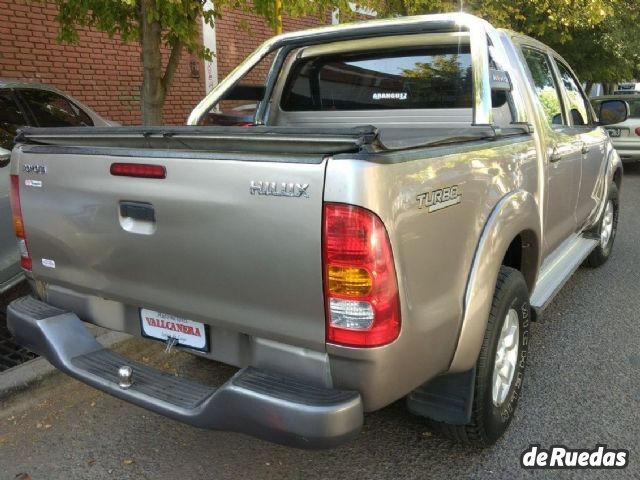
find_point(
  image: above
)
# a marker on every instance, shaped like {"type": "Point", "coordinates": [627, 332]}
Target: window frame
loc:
{"type": "Point", "coordinates": [565, 95]}
{"type": "Point", "coordinates": [554, 76]}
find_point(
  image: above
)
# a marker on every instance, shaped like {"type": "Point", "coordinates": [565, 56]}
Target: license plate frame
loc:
{"type": "Point", "coordinates": [613, 132]}
{"type": "Point", "coordinates": [160, 326]}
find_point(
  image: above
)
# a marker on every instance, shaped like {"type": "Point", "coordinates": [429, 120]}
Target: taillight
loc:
{"type": "Point", "coordinates": [638, 131]}
{"type": "Point", "coordinates": [360, 285]}
{"type": "Point", "coordinates": [140, 170]}
{"type": "Point", "coordinates": [18, 223]}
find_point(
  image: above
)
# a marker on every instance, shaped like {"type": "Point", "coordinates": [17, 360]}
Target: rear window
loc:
{"type": "Point", "coordinates": [433, 77]}
{"type": "Point", "coordinates": [11, 118]}
{"type": "Point", "coordinates": [53, 110]}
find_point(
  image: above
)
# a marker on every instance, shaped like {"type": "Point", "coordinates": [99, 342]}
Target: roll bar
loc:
{"type": "Point", "coordinates": [484, 39]}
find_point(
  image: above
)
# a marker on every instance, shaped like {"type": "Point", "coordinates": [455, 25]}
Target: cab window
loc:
{"type": "Point", "coordinates": [578, 105]}
{"type": "Point", "coordinates": [11, 118]}
{"type": "Point", "coordinates": [53, 110]}
{"type": "Point", "coordinates": [426, 77]}
{"type": "Point", "coordinates": [544, 83]}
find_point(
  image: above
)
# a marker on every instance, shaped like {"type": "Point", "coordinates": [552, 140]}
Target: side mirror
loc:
{"type": "Point", "coordinates": [613, 111]}
{"type": "Point", "coordinates": [5, 157]}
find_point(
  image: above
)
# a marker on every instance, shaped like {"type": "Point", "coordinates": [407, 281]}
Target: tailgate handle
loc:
{"type": "Point", "coordinates": [138, 211]}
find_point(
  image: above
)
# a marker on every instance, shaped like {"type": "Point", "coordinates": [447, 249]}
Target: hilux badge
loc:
{"type": "Point", "coordinates": [441, 198]}
{"type": "Point", "coordinates": [279, 189]}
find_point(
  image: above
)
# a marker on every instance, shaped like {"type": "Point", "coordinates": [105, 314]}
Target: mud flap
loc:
{"type": "Point", "coordinates": [447, 398]}
{"type": "Point", "coordinates": [536, 314]}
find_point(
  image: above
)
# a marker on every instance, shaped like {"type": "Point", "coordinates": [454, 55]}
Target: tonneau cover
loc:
{"type": "Point", "coordinates": [231, 139]}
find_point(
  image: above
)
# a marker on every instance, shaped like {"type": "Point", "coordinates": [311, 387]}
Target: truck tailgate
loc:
{"type": "Point", "coordinates": [200, 245]}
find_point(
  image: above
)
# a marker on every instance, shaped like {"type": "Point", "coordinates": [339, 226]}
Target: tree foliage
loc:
{"type": "Point", "coordinates": [176, 19]}
{"type": "Point", "coordinates": [531, 17]}
{"type": "Point", "coordinates": [154, 24]}
{"type": "Point", "coordinates": [292, 8]}
{"type": "Point", "coordinates": [599, 38]}
{"type": "Point", "coordinates": [171, 24]}
{"type": "Point", "coordinates": [608, 52]}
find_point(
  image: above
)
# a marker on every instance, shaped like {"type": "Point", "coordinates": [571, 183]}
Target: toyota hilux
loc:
{"type": "Point", "coordinates": [407, 198]}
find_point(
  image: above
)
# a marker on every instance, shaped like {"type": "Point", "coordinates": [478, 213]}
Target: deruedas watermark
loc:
{"type": "Point", "coordinates": [560, 456]}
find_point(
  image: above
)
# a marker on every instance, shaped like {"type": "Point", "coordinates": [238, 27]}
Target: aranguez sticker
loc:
{"type": "Point", "coordinates": [559, 456]}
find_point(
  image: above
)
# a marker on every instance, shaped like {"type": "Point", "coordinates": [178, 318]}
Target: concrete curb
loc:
{"type": "Point", "coordinates": [22, 376]}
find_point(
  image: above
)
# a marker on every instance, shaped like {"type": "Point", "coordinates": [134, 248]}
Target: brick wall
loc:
{"type": "Point", "coordinates": [239, 33]}
{"type": "Point", "coordinates": [99, 71]}
{"type": "Point", "coordinates": [106, 74]}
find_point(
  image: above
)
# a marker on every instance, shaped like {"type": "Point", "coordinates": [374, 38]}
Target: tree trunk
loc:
{"type": "Point", "coordinates": [588, 87]}
{"type": "Point", "coordinates": [278, 11]}
{"type": "Point", "coordinates": [405, 8]}
{"type": "Point", "coordinates": [609, 88]}
{"type": "Point", "coordinates": [152, 94]}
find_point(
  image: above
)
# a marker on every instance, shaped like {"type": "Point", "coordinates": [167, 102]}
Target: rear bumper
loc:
{"type": "Point", "coordinates": [255, 402]}
{"type": "Point", "coordinates": [627, 155]}
{"type": "Point", "coordinates": [629, 151]}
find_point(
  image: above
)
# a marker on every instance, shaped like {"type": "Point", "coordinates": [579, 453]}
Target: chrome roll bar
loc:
{"type": "Point", "coordinates": [480, 33]}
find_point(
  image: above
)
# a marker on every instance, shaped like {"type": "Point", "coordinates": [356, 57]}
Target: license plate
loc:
{"type": "Point", "coordinates": [613, 132]}
{"type": "Point", "coordinates": [163, 326]}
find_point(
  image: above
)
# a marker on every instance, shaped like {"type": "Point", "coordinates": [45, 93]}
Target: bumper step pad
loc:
{"type": "Point", "coordinates": [148, 381]}
{"type": "Point", "coordinates": [256, 402]}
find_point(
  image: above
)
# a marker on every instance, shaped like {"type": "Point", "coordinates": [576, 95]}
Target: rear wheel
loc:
{"type": "Point", "coordinates": [501, 364]}
{"type": "Point", "coordinates": [607, 229]}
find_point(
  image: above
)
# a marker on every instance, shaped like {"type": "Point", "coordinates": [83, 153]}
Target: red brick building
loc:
{"type": "Point", "coordinates": [106, 74]}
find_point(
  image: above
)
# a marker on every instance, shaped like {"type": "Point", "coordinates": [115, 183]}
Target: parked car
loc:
{"type": "Point", "coordinates": [628, 87]}
{"type": "Point", "coordinates": [31, 104]}
{"type": "Point", "coordinates": [410, 196]}
{"type": "Point", "coordinates": [625, 136]}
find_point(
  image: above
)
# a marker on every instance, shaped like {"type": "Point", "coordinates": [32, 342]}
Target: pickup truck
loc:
{"type": "Point", "coordinates": [410, 195]}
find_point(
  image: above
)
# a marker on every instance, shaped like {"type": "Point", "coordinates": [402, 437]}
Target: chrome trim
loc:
{"type": "Point", "coordinates": [389, 41]}
{"type": "Point", "coordinates": [125, 374]}
{"type": "Point", "coordinates": [478, 31]}
{"type": "Point", "coordinates": [272, 77]}
{"type": "Point", "coordinates": [229, 81]}
{"type": "Point", "coordinates": [506, 58]}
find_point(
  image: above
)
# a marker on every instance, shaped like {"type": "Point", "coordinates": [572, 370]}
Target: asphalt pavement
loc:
{"type": "Point", "coordinates": [582, 388]}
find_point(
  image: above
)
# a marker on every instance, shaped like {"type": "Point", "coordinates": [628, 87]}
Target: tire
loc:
{"type": "Point", "coordinates": [491, 414]}
{"type": "Point", "coordinates": [602, 252]}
